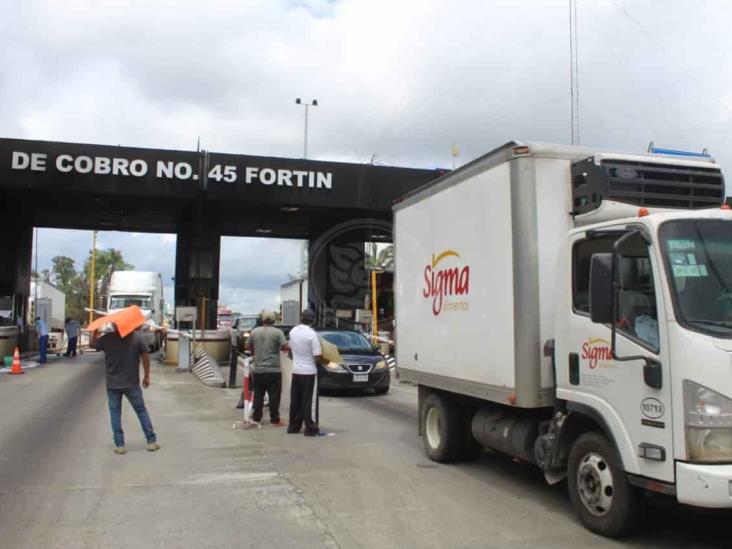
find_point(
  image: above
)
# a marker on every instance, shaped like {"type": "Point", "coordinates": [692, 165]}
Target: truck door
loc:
{"type": "Point", "coordinates": [638, 415]}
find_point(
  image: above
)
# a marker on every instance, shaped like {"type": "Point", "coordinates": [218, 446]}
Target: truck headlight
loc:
{"type": "Point", "coordinates": [708, 424]}
{"type": "Point", "coordinates": [380, 365]}
{"type": "Point", "coordinates": [334, 367]}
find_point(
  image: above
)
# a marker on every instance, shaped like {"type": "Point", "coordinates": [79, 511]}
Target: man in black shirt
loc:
{"type": "Point", "coordinates": [122, 358]}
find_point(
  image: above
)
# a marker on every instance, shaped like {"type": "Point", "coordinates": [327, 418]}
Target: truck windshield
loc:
{"type": "Point", "coordinates": [122, 301]}
{"type": "Point", "coordinates": [698, 257]}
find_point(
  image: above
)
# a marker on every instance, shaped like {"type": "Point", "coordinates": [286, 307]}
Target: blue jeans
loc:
{"type": "Point", "coordinates": [134, 396]}
{"type": "Point", "coordinates": [42, 348]}
{"type": "Point", "coordinates": [71, 347]}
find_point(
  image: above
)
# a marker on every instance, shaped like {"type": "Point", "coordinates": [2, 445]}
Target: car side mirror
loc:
{"type": "Point", "coordinates": [601, 289]}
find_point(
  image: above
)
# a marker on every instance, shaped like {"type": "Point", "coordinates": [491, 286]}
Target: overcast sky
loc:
{"type": "Point", "coordinates": [399, 80]}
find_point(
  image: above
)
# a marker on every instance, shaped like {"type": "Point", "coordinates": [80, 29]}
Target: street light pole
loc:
{"type": "Point", "coordinates": [314, 103]}
{"type": "Point", "coordinates": [92, 281]}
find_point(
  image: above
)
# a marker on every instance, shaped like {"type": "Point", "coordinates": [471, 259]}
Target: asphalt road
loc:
{"type": "Point", "coordinates": [368, 484]}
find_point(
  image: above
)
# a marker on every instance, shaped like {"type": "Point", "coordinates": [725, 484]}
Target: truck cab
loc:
{"type": "Point", "coordinates": [145, 290]}
{"type": "Point", "coordinates": [644, 346]}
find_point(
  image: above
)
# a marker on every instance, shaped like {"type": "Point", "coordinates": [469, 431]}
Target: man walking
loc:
{"type": "Point", "coordinates": [42, 340]}
{"type": "Point", "coordinates": [72, 332]}
{"type": "Point", "coordinates": [122, 359]}
{"type": "Point", "coordinates": [306, 353]}
{"type": "Point", "coordinates": [265, 344]}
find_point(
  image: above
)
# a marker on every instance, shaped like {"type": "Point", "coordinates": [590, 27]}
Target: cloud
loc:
{"type": "Point", "coordinates": [402, 80]}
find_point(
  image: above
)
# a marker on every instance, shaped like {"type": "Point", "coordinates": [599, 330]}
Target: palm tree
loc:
{"type": "Point", "coordinates": [379, 259]}
{"type": "Point", "coordinates": [106, 262]}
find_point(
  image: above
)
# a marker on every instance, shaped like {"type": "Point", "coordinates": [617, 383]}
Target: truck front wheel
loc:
{"type": "Point", "coordinates": [441, 430]}
{"type": "Point", "coordinates": [598, 488]}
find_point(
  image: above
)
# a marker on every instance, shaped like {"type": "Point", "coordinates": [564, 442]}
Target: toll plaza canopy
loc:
{"type": "Point", "coordinates": [199, 195]}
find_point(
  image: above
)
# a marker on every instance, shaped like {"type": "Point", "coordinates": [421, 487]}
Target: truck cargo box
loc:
{"type": "Point", "coordinates": [477, 251]}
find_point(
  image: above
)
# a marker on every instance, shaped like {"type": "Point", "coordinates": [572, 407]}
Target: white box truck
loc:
{"type": "Point", "coordinates": [51, 306]}
{"type": "Point", "coordinates": [573, 308]}
{"type": "Point", "coordinates": [144, 289]}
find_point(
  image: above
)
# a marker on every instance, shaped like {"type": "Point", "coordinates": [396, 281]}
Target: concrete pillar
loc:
{"type": "Point", "coordinates": [197, 255]}
{"type": "Point", "coordinates": [16, 248]}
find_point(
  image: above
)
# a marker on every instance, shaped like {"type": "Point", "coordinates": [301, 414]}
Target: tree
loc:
{"type": "Point", "coordinates": [379, 258]}
{"type": "Point", "coordinates": [63, 272]}
{"type": "Point", "coordinates": [75, 285]}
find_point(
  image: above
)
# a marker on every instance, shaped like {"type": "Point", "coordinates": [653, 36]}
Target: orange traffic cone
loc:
{"type": "Point", "coordinates": [16, 368]}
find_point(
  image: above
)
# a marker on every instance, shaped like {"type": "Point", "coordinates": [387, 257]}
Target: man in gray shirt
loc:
{"type": "Point", "coordinates": [122, 359]}
{"type": "Point", "coordinates": [265, 344]}
{"type": "Point", "coordinates": [72, 332]}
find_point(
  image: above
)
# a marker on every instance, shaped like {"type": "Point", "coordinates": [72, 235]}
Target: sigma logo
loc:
{"type": "Point", "coordinates": [444, 280]}
{"type": "Point", "coordinates": [596, 350]}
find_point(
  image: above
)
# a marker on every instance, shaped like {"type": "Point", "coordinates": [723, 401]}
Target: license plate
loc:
{"type": "Point", "coordinates": [357, 378]}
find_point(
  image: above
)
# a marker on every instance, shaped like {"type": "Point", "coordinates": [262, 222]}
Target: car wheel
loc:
{"type": "Point", "coordinates": [601, 495]}
{"type": "Point", "coordinates": [441, 433]}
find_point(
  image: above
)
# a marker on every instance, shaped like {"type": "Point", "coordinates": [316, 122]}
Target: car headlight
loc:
{"type": "Point", "coordinates": [708, 424]}
{"type": "Point", "coordinates": [380, 365]}
{"type": "Point", "coordinates": [334, 367]}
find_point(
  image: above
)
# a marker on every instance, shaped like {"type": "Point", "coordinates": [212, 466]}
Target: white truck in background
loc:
{"type": "Point", "coordinates": [573, 308]}
{"type": "Point", "coordinates": [50, 306]}
{"type": "Point", "coordinates": [49, 303]}
{"type": "Point", "coordinates": [144, 289]}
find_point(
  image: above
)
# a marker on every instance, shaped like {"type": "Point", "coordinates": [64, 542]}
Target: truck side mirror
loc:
{"type": "Point", "coordinates": [601, 289]}
{"type": "Point", "coordinates": [653, 373]}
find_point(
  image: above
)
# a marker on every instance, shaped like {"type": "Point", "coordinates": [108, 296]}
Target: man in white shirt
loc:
{"type": "Point", "coordinates": [306, 353]}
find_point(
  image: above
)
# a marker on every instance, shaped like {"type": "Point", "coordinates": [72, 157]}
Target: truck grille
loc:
{"type": "Point", "coordinates": [645, 184]}
{"type": "Point", "coordinates": [664, 186]}
{"type": "Point", "coordinates": [359, 368]}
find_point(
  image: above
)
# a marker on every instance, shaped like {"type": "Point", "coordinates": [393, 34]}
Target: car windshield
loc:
{"type": "Point", "coordinates": [347, 341]}
{"type": "Point", "coordinates": [247, 323]}
{"type": "Point", "coordinates": [122, 301]}
{"type": "Point", "coordinates": [698, 257]}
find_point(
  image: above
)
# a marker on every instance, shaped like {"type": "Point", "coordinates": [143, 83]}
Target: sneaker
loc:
{"type": "Point", "coordinates": [152, 446]}
{"type": "Point", "coordinates": [120, 450]}
{"type": "Point", "coordinates": [278, 423]}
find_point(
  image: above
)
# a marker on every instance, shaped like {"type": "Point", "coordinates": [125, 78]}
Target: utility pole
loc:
{"type": "Point", "coordinates": [314, 103]}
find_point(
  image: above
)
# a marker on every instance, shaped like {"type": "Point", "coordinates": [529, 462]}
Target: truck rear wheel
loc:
{"type": "Point", "coordinates": [441, 429]}
{"type": "Point", "coordinates": [598, 488]}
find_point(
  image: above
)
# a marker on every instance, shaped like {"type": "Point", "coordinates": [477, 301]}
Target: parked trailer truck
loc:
{"type": "Point", "coordinates": [573, 308]}
{"type": "Point", "coordinates": [144, 289]}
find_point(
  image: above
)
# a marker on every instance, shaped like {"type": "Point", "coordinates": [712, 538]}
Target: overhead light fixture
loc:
{"type": "Point", "coordinates": [263, 231]}
{"type": "Point", "coordinates": [289, 209]}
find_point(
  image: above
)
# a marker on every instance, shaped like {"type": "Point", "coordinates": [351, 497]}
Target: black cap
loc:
{"type": "Point", "coordinates": [308, 315]}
